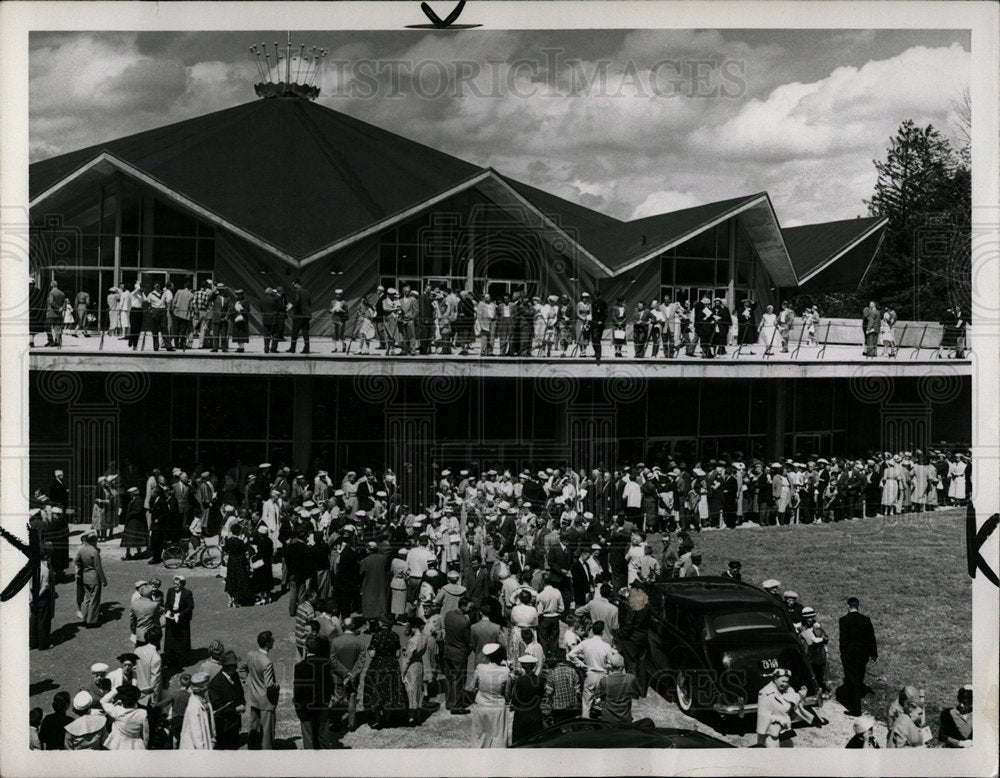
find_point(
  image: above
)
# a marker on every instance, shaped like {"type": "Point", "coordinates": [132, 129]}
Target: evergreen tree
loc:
{"type": "Point", "coordinates": [924, 189]}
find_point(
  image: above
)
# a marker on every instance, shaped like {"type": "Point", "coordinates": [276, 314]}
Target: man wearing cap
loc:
{"type": "Point", "coordinates": [198, 729]}
{"type": "Point", "coordinates": [815, 639]}
{"type": "Point", "coordinates": [793, 606]}
{"type": "Point", "coordinates": [225, 692]}
{"type": "Point", "coordinates": [864, 733]}
{"type": "Point", "coordinates": [87, 730]}
{"type": "Point", "coordinates": [773, 587]}
{"type": "Point", "coordinates": [857, 646]}
{"type": "Point", "coordinates": [99, 684]}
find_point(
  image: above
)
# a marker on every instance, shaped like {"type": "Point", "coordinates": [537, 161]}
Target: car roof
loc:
{"type": "Point", "coordinates": [713, 591]}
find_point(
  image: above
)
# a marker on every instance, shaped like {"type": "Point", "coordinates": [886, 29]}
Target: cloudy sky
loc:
{"type": "Point", "coordinates": [628, 122]}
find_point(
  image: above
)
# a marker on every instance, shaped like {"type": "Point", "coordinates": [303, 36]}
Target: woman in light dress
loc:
{"type": "Point", "coordinates": [365, 326]}
{"type": "Point", "coordinates": [956, 475]}
{"type": "Point", "coordinates": [886, 335]}
{"type": "Point", "coordinates": [892, 482]}
{"type": "Point", "coordinates": [925, 482]}
{"type": "Point", "coordinates": [349, 487]}
{"type": "Point", "coordinates": [768, 329]}
{"type": "Point", "coordinates": [491, 682]}
{"type": "Point", "coordinates": [412, 666]}
{"type": "Point", "coordinates": [129, 723]}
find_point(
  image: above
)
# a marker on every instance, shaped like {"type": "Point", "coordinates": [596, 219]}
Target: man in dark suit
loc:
{"type": "Point", "coordinates": [457, 647]}
{"type": "Point", "coordinates": [477, 580]}
{"type": "Point", "coordinates": [270, 308]}
{"type": "Point", "coordinates": [583, 579]}
{"type": "Point", "coordinates": [521, 559]}
{"type": "Point", "coordinates": [347, 660]}
{"type": "Point", "coordinates": [598, 318]}
{"type": "Point", "coordinates": [857, 646]}
{"type": "Point", "coordinates": [313, 689]}
{"type": "Point", "coordinates": [58, 493]}
{"type": "Point", "coordinates": [300, 568]}
{"type": "Point", "coordinates": [301, 310]}
{"type": "Point", "coordinates": [225, 692]}
{"type": "Point", "coordinates": [871, 319]}
{"type": "Point", "coordinates": [704, 325]}
{"type": "Point", "coordinates": [261, 693]}
{"type": "Point", "coordinates": [560, 560]}
{"type": "Point", "coordinates": [425, 320]}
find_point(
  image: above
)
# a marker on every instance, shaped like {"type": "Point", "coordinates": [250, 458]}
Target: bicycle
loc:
{"type": "Point", "coordinates": [176, 554]}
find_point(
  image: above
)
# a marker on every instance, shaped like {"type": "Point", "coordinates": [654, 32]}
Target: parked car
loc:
{"type": "Point", "coordinates": [716, 640]}
{"type": "Point", "coordinates": [593, 733]}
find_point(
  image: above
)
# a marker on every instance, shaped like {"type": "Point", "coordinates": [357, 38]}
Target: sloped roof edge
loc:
{"type": "Point", "coordinates": [837, 254]}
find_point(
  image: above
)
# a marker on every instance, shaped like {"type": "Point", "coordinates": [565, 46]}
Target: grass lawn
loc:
{"type": "Point", "coordinates": [908, 572]}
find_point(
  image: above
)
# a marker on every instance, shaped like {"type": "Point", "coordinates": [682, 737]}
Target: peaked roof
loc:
{"type": "Point", "coordinates": [340, 174]}
{"type": "Point", "coordinates": [813, 246]}
{"type": "Point", "coordinates": [302, 180]}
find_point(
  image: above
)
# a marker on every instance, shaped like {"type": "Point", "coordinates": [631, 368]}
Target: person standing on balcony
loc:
{"type": "Point", "coordinates": [201, 319]}
{"type": "Point", "coordinates": [301, 309]}
{"type": "Point", "coordinates": [339, 311]}
{"type": "Point", "coordinates": [785, 320]}
{"type": "Point", "coordinates": [640, 330]}
{"type": "Point", "coordinates": [704, 326]}
{"type": "Point", "coordinates": [619, 318]}
{"type": "Point", "coordinates": [870, 322]}
{"type": "Point", "coordinates": [567, 331]}
{"type": "Point", "coordinates": [219, 313]}
{"type": "Point", "coordinates": [53, 314]}
{"type": "Point", "coordinates": [407, 316]}
{"type": "Point", "coordinates": [583, 312]}
{"type": "Point", "coordinates": [81, 305]}
{"type": "Point", "coordinates": [486, 314]}
{"type": "Point", "coordinates": [747, 324]}
{"type": "Point", "coordinates": [157, 303]}
{"type": "Point", "coordinates": [598, 319]}
{"type": "Point", "coordinates": [182, 309]}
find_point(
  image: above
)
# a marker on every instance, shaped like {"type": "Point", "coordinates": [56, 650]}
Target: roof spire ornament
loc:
{"type": "Point", "coordinates": [295, 77]}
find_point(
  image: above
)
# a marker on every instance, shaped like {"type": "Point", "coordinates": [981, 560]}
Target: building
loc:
{"type": "Point", "coordinates": [284, 188]}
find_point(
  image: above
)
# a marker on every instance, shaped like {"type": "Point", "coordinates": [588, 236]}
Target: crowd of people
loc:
{"type": "Point", "coordinates": [521, 599]}
{"type": "Point", "coordinates": [409, 321]}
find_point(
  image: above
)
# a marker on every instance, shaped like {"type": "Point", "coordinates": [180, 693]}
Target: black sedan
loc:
{"type": "Point", "coordinates": [717, 640]}
{"type": "Point", "coordinates": [593, 733]}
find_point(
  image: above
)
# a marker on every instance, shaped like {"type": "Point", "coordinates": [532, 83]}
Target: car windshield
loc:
{"type": "Point", "coordinates": [740, 621]}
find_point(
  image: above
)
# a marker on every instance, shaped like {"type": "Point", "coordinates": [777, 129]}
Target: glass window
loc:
{"type": "Point", "coordinates": [174, 252]}
{"type": "Point", "coordinates": [184, 406]}
{"type": "Point", "coordinates": [701, 245]}
{"type": "Point", "coordinates": [744, 274]}
{"type": "Point", "coordinates": [722, 272]}
{"type": "Point", "coordinates": [744, 251]}
{"type": "Point", "coordinates": [742, 620]}
{"type": "Point", "coordinates": [387, 259]}
{"type": "Point", "coordinates": [408, 263]}
{"type": "Point", "coordinates": [694, 271]}
{"type": "Point", "coordinates": [231, 409]}
{"type": "Point", "coordinates": [170, 221]}
{"type": "Point", "coordinates": [722, 239]}
{"type": "Point", "coordinates": [666, 270]}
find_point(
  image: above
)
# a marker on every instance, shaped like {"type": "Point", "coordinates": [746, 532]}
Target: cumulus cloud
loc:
{"type": "Point", "coordinates": [592, 116]}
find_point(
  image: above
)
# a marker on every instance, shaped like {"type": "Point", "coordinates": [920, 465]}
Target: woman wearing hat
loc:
{"type": "Point", "coordinates": [136, 532]}
{"type": "Point", "coordinates": [238, 585]}
{"type": "Point", "coordinates": [892, 483]}
{"type": "Point", "coordinates": [413, 666]}
{"type": "Point", "coordinates": [491, 681]}
{"type": "Point", "coordinates": [956, 723]}
{"type": "Point", "coordinates": [129, 723]}
{"type": "Point", "coordinates": [198, 729]}
{"type": "Point", "coordinates": [384, 693]}
{"type": "Point", "coordinates": [777, 702]}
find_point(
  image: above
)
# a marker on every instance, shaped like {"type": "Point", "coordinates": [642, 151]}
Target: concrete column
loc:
{"type": "Point", "coordinates": [302, 400]}
{"type": "Point", "coordinates": [776, 389]}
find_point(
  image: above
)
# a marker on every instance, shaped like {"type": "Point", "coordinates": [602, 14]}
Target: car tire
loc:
{"type": "Point", "coordinates": [684, 691]}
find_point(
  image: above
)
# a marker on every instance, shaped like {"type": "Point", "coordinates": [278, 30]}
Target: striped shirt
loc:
{"type": "Point", "coordinates": [563, 683]}
{"type": "Point", "coordinates": [303, 615]}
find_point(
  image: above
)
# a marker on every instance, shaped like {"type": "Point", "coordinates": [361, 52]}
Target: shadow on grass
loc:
{"type": "Point", "coordinates": [40, 687]}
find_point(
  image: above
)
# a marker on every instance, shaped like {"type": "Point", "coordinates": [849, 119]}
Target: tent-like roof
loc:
{"type": "Point", "coordinates": [814, 247]}
{"type": "Point", "coordinates": [296, 174]}
{"type": "Point", "coordinates": [301, 180]}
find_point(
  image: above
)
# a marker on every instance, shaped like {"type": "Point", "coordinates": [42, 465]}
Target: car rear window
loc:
{"type": "Point", "coordinates": [737, 621]}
